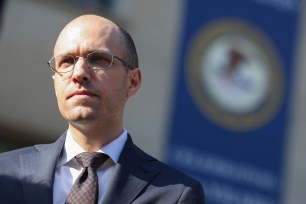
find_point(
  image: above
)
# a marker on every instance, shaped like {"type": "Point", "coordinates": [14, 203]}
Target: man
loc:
{"type": "Point", "coordinates": [95, 72]}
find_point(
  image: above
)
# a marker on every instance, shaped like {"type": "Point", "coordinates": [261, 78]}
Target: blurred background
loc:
{"type": "Point", "coordinates": [233, 142]}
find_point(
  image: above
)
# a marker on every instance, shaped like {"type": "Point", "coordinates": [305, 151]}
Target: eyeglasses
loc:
{"type": "Point", "coordinates": [95, 60]}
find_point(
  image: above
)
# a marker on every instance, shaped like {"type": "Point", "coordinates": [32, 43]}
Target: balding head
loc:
{"type": "Point", "coordinates": [97, 27]}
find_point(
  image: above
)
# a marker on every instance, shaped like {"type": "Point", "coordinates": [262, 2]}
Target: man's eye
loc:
{"type": "Point", "coordinates": [98, 57]}
{"type": "Point", "coordinates": [65, 61]}
{"type": "Point", "coordinates": [99, 60]}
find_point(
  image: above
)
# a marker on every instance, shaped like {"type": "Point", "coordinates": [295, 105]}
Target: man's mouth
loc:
{"type": "Point", "coordinates": [82, 93]}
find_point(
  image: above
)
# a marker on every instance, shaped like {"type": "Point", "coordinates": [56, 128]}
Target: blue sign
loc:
{"type": "Point", "coordinates": [232, 96]}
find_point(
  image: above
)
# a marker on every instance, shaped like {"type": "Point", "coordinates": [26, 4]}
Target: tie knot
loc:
{"type": "Point", "coordinates": [91, 159]}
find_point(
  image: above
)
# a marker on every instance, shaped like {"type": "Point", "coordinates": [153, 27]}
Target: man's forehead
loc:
{"type": "Point", "coordinates": [87, 30]}
{"type": "Point", "coordinates": [88, 24]}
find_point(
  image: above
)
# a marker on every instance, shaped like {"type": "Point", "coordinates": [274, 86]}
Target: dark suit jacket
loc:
{"type": "Point", "coordinates": [26, 176]}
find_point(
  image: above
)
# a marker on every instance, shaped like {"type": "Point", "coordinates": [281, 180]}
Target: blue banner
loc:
{"type": "Point", "coordinates": [230, 107]}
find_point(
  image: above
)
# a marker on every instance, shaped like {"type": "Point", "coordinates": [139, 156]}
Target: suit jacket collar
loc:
{"type": "Point", "coordinates": [133, 173]}
{"type": "Point", "coordinates": [37, 171]}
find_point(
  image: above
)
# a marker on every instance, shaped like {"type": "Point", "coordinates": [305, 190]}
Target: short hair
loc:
{"type": "Point", "coordinates": [130, 53]}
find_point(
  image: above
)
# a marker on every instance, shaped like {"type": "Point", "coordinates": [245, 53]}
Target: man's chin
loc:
{"type": "Point", "coordinates": [82, 117]}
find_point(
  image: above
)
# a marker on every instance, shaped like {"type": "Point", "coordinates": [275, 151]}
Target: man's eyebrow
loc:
{"type": "Point", "coordinates": [86, 53]}
{"type": "Point", "coordinates": [100, 50]}
{"type": "Point", "coordinates": [64, 53]}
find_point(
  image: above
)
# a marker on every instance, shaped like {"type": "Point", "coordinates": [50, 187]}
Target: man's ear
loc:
{"type": "Point", "coordinates": [134, 77]}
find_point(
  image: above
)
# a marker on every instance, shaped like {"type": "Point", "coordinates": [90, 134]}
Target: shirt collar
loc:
{"type": "Point", "coordinates": [72, 148]}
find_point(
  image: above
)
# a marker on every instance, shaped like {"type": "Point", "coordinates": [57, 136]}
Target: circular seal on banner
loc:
{"type": "Point", "coordinates": [234, 74]}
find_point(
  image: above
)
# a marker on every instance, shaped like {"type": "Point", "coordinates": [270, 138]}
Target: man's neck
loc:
{"type": "Point", "coordinates": [94, 138]}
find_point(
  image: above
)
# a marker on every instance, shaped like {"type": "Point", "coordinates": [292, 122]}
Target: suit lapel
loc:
{"type": "Point", "coordinates": [133, 173]}
{"type": "Point", "coordinates": [37, 172]}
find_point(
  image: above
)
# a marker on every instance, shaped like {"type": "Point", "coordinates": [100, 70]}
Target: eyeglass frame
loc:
{"type": "Point", "coordinates": [76, 58]}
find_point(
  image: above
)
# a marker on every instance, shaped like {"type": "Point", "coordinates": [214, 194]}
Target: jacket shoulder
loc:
{"type": "Point", "coordinates": [9, 161]}
{"type": "Point", "coordinates": [167, 172]}
{"type": "Point", "coordinates": [172, 182]}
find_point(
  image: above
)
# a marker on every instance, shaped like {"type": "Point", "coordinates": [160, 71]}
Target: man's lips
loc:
{"type": "Point", "coordinates": [81, 93]}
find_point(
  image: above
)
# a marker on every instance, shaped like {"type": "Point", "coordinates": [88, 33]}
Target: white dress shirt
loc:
{"type": "Point", "coordinates": [68, 169]}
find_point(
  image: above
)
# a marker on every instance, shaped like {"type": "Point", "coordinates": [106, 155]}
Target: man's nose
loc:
{"type": "Point", "coordinates": [81, 71]}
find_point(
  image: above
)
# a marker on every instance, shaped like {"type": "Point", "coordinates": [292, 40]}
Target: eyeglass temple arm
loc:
{"type": "Point", "coordinates": [123, 62]}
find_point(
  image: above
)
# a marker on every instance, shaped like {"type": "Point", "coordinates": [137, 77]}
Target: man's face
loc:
{"type": "Point", "coordinates": [87, 95]}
